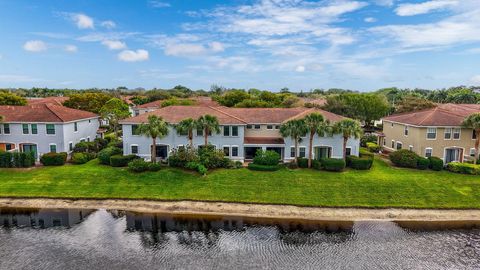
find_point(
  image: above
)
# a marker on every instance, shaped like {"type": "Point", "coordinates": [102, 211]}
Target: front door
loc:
{"type": "Point", "coordinates": [453, 155]}
{"type": "Point", "coordinates": [161, 151]}
{"type": "Point", "coordinates": [250, 152]}
{"type": "Point", "coordinates": [29, 148]}
{"type": "Point", "coordinates": [323, 152]}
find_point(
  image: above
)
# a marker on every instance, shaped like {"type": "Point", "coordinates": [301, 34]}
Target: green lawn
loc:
{"type": "Point", "coordinates": [382, 186]}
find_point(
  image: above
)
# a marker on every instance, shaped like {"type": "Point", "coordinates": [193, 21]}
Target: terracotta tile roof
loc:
{"type": "Point", "coordinates": [153, 104]}
{"type": "Point", "coordinates": [442, 115]}
{"type": "Point", "coordinates": [263, 140]}
{"type": "Point", "coordinates": [46, 113]}
{"type": "Point", "coordinates": [47, 100]}
{"type": "Point", "coordinates": [199, 101]}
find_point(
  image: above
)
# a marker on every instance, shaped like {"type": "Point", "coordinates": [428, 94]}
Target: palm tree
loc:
{"type": "Point", "coordinates": [347, 128]}
{"type": "Point", "coordinates": [187, 125]}
{"type": "Point", "coordinates": [473, 122]}
{"type": "Point", "coordinates": [154, 128]}
{"type": "Point", "coordinates": [316, 124]}
{"type": "Point", "coordinates": [294, 129]}
{"type": "Point", "coordinates": [208, 123]}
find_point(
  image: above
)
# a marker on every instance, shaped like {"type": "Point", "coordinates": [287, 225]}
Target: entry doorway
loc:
{"type": "Point", "coordinates": [250, 152]}
{"type": "Point", "coordinates": [279, 150]}
{"type": "Point", "coordinates": [453, 155]}
{"type": "Point", "coordinates": [161, 151]}
{"type": "Point", "coordinates": [323, 152]}
{"type": "Point", "coordinates": [29, 148]}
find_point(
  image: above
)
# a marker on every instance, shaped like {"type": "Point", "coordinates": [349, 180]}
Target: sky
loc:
{"type": "Point", "coordinates": [266, 44]}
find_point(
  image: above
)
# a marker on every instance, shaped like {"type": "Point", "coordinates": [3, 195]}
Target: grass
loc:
{"type": "Point", "coordinates": [382, 186]}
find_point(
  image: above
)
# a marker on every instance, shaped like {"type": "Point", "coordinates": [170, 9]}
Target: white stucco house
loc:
{"type": "Point", "coordinates": [44, 128]}
{"type": "Point", "coordinates": [243, 131]}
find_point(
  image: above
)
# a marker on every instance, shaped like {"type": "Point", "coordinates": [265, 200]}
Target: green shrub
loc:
{"type": "Point", "coordinates": [302, 162]}
{"type": "Point", "coordinates": [373, 147]}
{"type": "Point", "coordinates": [154, 167]}
{"type": "Point", "coordinates": [202, 169]}
{"type": "Point", "coordinates": [404, 158]}
{"type": "Point", "coordinates": [464, 168]}
{"type": "Point", "coordinates": [238, 164]}
{"type": "Point", "coordinates": [53, 159]}
{"type": "Point", "coordinates": [359, 163]}
{"type": "Point", "coordinates": [121, 161]}
{"type": "Point", "coordinates": [292, 165]}
{"type": "Point", "coordinates": [17, 159]}
{"type": "Point", "coordinates": [436, 163]}
{"type": "Point", "coordinates": [82, 158]}
{"type": "Point", "coordinates": [316, 164]}
{"type": "Point", "coordinates": [138, 165]}
{"type": "Point", "coordinates": [180, 157]}
{"type": "Point", "coordinates": [367, 139]}
{"type": "Point", "coordinates": [196, 166]}
{"type": "Point", "coordinates": [333, 164]}
{"type": "Point", "coordinates": [366, 153]}
{"type": "Point", "coordinates": [82, 147]}
{"type": "Point", "coordinates": [269, 158]}
{"type": "Point", "coordinates": [259, 167]}
{"type": "Point", "coordinates": [100, 143]}
{"type": "Point", "coordinates": [212, 158]}
{"type": "Point", "coordinates": [423, 163]}
{"type": "Point", "coordinates": [105, 154]}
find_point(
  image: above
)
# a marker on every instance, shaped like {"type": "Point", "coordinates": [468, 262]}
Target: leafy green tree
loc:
{"type": "Point", "coordinates": [155, 128]}
{"type": "Point", "coordinates": [473, 122]}
{"type": "Point", "coordinates": [295, 129]}
{"type": "Point", "coordinates": [348, 128]}
{"type": "Point", "coordinates": [187, 126]}
{"type": "Point", "coordinates": [7, 98]}
{"type": "Point", "coordinates": [315, 124]}
{"type": "Point", "coordinates": [465, 96]}
{"type": "Point", "coordinates": [88, 101]}
{"type": "Point", "coordinates": [114, 110]}
{"type": "Point", "coordinates": [413, 103]}
{"type": "Point", "coordinates": [232, 97]}
{"type": "Point", "coordinates": [208, 124]}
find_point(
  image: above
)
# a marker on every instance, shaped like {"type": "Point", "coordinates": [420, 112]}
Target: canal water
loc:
{"type": "Point", "coordinates": [105, 239]}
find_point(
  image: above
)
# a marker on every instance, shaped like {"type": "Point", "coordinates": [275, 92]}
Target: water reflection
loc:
{"type": "Point", "coordinates": [42, 218]}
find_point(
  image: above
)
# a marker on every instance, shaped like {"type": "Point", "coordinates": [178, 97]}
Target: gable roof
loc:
{"type": "Point", "coordinates": [44, 113]}
{"type": "Point", "coordinates": [442, 115]}
{"type": "Point", "coordinates": [47, 100]}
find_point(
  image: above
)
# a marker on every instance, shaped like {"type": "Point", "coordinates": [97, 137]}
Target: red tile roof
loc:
{"type": "Point", "coordinates": [199, 101]}
{"type": "Point", "coordinates": [47, 100]}
{"type": "Point", "coordinates": [442, 115]}
{"type": "Point", "coordinates": [153, 104]}
{"type": "Point", "coordinates": [263, 140]}
{"type": "Point", "coordinates": [46, 113]}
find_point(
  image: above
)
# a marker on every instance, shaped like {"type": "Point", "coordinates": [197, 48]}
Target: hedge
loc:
{"type": "Point", "coordinates": [404, 158]}
{"type": "Point", "coordinates": [269, 158]}
{"type": "Point", "coordinates": [105, 154]}
{"type": "Point", "coordinates": [258, 167]}
{"type": "Point", "coordinates": [373, 147]}
{"type": "Point", "coordinates": [365, 153]}
{"type": "Point", "coordinates": [423, 163]}
{"type": "Point", "coordinates": [360, 163]}
{"type": "Point", "coordinates": [302, 162]}
{"type": "Point", "coordinates": [82, 158]}
{"type": "Point", "coordinates": [17, 159]}
{"type": "Point", "coordinates": [436, 163]}
{"type": "Point", "coordinates": [316, 164]}
{"type": "Point", "coordinates": [464, 168]}
{"type": "Point", "coordinates": [53, 159]}
{"type": "Point", "coordinates": [121, 161]}
{"type": "Point", "coordinates": [138, 165]}
{"type": "Point", "coordinates": [333, 164]}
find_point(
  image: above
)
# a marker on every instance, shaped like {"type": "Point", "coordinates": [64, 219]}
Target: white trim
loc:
{"type": "Point", "coordinates": [405, 128]}
{"type": "Point", "coordinates": [470, 153]}
{"type": "Point", "coordinates": [453, 147]}
{"type": "Point", "coordinates": [231, 150]}
{"type": "Point", "coordinates": [50, 147]}
{"type": "Point", "coordinates": [138, 149]}
{"type": "Point", "coordinates": [417, 126]}
{"type": "Point", "coordinates": [396, 145]}
{"type": "Point", "coordinates": [436, 134]}
{"type": "Point", "coordinates": [445, 132]}
{"type": "Point", "coordinates": [459, 134]}
{"type": "Point", "coordinates": [410, 147]}
{"type": "Point", "coordinates": [425, 152]}
{"type": "Point", "coordinates": [305, 151]}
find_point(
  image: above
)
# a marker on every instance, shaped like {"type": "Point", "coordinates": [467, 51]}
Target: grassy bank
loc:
{"type": "Point", "coordinates": [382, 186]}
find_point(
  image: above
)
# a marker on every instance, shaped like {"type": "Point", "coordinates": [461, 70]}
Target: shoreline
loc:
{"type": "Point", "coordinates": [251, 210]}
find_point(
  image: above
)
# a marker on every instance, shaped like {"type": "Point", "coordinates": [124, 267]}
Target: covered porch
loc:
{"type": "Point", "coordinates": [253, 144]}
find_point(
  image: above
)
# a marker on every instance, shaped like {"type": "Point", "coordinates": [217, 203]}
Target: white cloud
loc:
{"type": "Point", "coordinates": [114, 44]}
{"type": "Point", "coordinates": [71, 48]}
{"type": "Point", "coordinates": [370, 20]}
{"type": "Point", "coordinates": [217, 46]}
{"type": "Point", "coordinates": [475, 80]}
{"type": "Point", "coordinates": [386, 3]}
{"type": "Point", "coordinates": [300, 69]}
{"type": "Point", "coordinates": [108, 24]}
{"type": "Point", "coordinates": [184, 49]}
{"type": "Point", "coordinates": [82, 21]}
{"type": "Point", "coordinates": [159, 4]}
{"type": "Point", "coordinates": [35, 46]}
{"type": "Point", "coordinates": [411, 9]}
{"type": "Point", "coordinates": [133, 56]}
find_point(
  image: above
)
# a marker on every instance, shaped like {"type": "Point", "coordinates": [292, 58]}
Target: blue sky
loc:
{"type": "Point", "coordinates": [268, 44]}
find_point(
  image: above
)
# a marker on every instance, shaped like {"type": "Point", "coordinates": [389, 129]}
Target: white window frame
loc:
{"type": "Point", "coordinates": [270, 127]}
{"type": "Point", "coordinates": [292, 149]}
{"type": "Point", "coordinates": [69, 146]}
{"type": "Point", "coordinates": [445, 133]}
{"type": "Point", "coordinates": [405, 131]}
{"type": "Point", "coordinates": [50, 147]}
{"type": "Point", "coordinates": [396, 145]}
{"type": "Point", "coordinates": [131, 150]}
{"type": "Point", "coordinates": [431, 152]}
{"type": "Point", "coordinates": [410, 147]}
{"type": "Point", "coordinates": [304, 151]}
{"type": "Point", "coordinates": [88, 139]}
{"type": "Point", "coordinates": [75, 127]}
{"type": "Point", "coordinates": [348, 148]}
{"type": "Point", "coordinates": [231, 150]}
{"type": "Point", "coordinates": [426, 135]}
{"type": "Point", "coordinates": [472, 152]}
{"type": "Point", "coordinates": [459, 133]}
{"type": "Point", "coordinates": [277, 127]}
{"type": "Point", "coordinates": [255, 126]}
{"type": "Point", "coordinates": [231, 131]}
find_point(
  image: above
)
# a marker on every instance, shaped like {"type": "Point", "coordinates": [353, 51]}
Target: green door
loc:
{"type": "Point", "coordinates": [30, 148]}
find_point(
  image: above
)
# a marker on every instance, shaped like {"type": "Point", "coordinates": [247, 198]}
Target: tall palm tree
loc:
{"type": "Point", "coordinates": [187, 125]}
{"type": "Point", "coordinates": [473, 122]}
{"type": "Point", "coordinates": [294, 129]}
{"type": "Point", "coordinates": [347, 128]}
{"type": "Point", "coordinates": [154, 128]}
{"type": "Point", "coordinates": [316, 124]}
{"type": "Point", "coordinates": [208, 123]}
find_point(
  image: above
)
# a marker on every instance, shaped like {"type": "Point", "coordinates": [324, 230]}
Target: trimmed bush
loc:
{"type": "Point", "coordinates": [154, 167]}
{"type": "Point", "coordinates": [82, 158]}
{"type": "Point", "coordinates": [82, 147]}
{"type": "Point", "coordinates": [366, 139]}
{"type": "Point", "coordinates": [464, 168]}
{"type": "Point", "coordinates": [105, 154]}
{"type": "Point", "coordinates": [269, 158]}
{"type": "Point", "coordinates": [302, 162]}
{"type": "Point", "coordinates": [316, 164]}
{"type": "Point", "coordinates": [238, 164]}
{"type": "Point", "coordinates": [180, 157]}
{"type": "Point", "coordinates": [138, 165]}
{"type": "Point", "coordinates": [373, 147]}
{"type": "Point", "coordinates": [365, 153]}
{"type": "Point", "coordinates": [292, 165]}
{"type": "Point", "coordinates": [423, 163]}
{"type": "Point", "coordinates": [359, 163]}
{"type": "Point", "coordinates": [202, 169]}
{"type": "Point", "coordinates": [333, 164]}
{"type": "Point", "coordinates": [53, 159]}
{"type": "Point", "coordinates": [17, 159]}
{"type": "Point", "coordinates": [404, 158]}
{"type": "Point", "coordinates": [196, 166]}
{"type": "Point", "coordinates": [212, 158]}
{"type": "Point", "coordinates": [121, 161]}
{"type": "Point", "coordinates": [266, 168]}
{"type": "Point", "coordinates": [436, 163]}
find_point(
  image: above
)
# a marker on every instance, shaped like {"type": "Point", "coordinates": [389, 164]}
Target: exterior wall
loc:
{"type": "Point", "coordinates": [87, 129]}
{"type": "Point", "coordinates": [263, 131]}
{"type": "Point", "coordinates": [138, 111]}
{"type": "Point", "coordinates": [335, 142]}
{"type": "Point", "coordinates": [417, 138]}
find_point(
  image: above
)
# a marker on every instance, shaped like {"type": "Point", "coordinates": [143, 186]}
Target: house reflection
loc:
{"type": "Point", "coordinates": [42, 218]}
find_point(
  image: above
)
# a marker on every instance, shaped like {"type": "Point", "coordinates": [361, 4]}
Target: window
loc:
{"type": "Point", "coordinates": [405, 131]}
{"type": "Point", "coordinates": [384, 142]}
{"type": "Point", "coordinates": [0, 129]}
{"type": "Point", "coordinates": [75, 127]}
{"type": "Point", "coordinates": [134, 149]}
{"type": "Point", "coordinates": [135, 130]}
{"type": "Point", "coordinates": [391, 125]}
{"type": "Point", "coordinates": [292, 151]}
{"type": "Point", "coordinates": [53, 148]}
{"type": "Point", "coordinates": [25, 128]}
{"type": "Point", "coordinates": [472, 152]}
{"type": "Point", "coordinates": [234, 151]}
{"type": "Point", "coordinates": [448, 133]}
{"type": "Point", "coordinates": [269, 126]}
{"type": "Point", "coordinates": [257, 126]}
{"type": "Point", "coordinates": [182, 133]}
{"type": "Point", "coordinates": [302, 152]}
{"type": "Point", "coordinates": [456, 133]}
{"type": "Point", "coordinates": [199, 132]}
{"type": "Point", "coordinates": [6, 128]}
{"type": "Point", "coordinates": [474, 135]}
{"type": "Point", "coordinates": [34, 128]}
{"type": "Point", "coordinates": [89, 121]}
{"type": "Point", "coordinates": [431, 133]}
{"type": "Point", "coordinates": [428, 152]}
{"type": "Point", "coordinates": [50, 129]}
{"type": "Point", "coordinates": [88, 139]}
{"type": "Point", "coordinates": [393, 144]}
{"type": "Point", "coordinates": [226, 131]}
{"type": "Point", "coordinates": [410, 147]}
{"type": "Point", "coordinates": [234, 131]}
{"type": "Point", "coordinates": [226, 151]}
{"type": "Point", "coordinates": [70, 146]}
{"type": "Point", "coordinates": [349, 151]}
{"type": "Point", "coordinates": [249, 126]}
{"type": "Point", "coordinates": [277, 127]}
{"type": "Point", "coordinates": [399, 145]}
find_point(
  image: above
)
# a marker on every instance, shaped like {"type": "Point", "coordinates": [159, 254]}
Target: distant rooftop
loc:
{"type": "Point", "coordinates": [43, 113]}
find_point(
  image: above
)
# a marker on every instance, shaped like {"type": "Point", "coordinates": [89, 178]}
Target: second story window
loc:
{"type": "Point", "coordinates": [257, 126]}
{"type": "Point", "coordinates": [249, 126]}
{"type": "Point", "coordinates": [399, 145]}
{"type": "Point", "coordinates": [226, 131]}
{"type": "Point", "coordinates": [431, 133]}
{"type": "Point", "coordinates": [405, 131]}
{"type": "Point", "coordinates": [456, 133]}
{"type": "Point", "coordinates": [6, 128]}
{"type": "Point", "coordinates": [25, 128]}
{"type": "Point", "coordinates": [474, 135]}
{"type": "Point", "coordinates": [200, 132]}
{"type": "Point", "coordinates": [269, 126]}
{"type": "Point", "coordinates": [135, 130]}
{"type": "Point", "coordinates": [234, 131]}
{"type": "Point", "coordinates": [50, 129]}
{"type": "Point", "coordinates": [448, 133]}
{"type": "Point", "coordinates": [75, 126]}
{"type": "Point", "coordinates": [34, 128]}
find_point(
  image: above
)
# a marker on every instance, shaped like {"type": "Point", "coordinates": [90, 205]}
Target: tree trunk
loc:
{"type": "Point", "coordinates": [206, 136]}
{"type": "Point", "coordinates": [296, 150]}
{"type": "Point", "coordinates": [154, 150]}
{"type": "Point", "coordinates": [477, 143]}
{"type": "Point", "coordinates": [190, 137]}
{"type": "Point", "coordinates": [345, 139]}
{"type": "Point", "coordinates": [310, 146]}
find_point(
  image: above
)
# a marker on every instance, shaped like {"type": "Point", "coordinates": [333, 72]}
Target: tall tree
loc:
{"type": "Point", "coordinates": [114, 110]}
{"type": "Point", "coordinates": [295, 129]}
{"type": "Point", "coordinates": [187, 126]}
{"type": "Point", "coordinates": [208, 123]}
{"type": "Point", "coordinates": [413, 103]}
{"type": "Point", "coordinates": [154, 128]}
{"type": "Point", "coordinates": [348, 128]}
{"type": "Point", "coordinates": [473, 122]}
{"type": "Point", "coordinates": [7, 98]}
{"type": "Point", "coordinates": [316, 124]}
{"type": "Point", "coordinates": [88, 101]}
